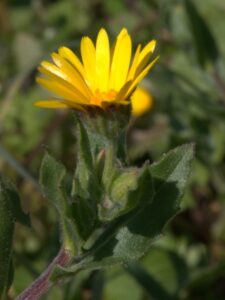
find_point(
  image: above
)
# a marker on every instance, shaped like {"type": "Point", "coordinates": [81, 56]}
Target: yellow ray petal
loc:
{"type": "Point", "coordinates": [58, 104]}
{"type": "Point", "coordinates": [89, 61]}
{"type": "Point", "coordinates": [61, 90]}
{"type": "Point", "coordinates": [51, 104]}
{"type": "Point", "coordinates": [149, 48]}
{"type": "Point", "coordinates": [71, 73]}
{"type": "Point", "coordinates": [144, 57]}
{"type": "Point", "coordinates": [69, 55]}
{"type": "Point", "coordinates": [104, 75]}
{"type": "Point", "coordinates": [134, 63]}
{"type": "Point", "coordinates": [102, 60]}
{"type": "Point", "coordinates": [120, 61]}
{"type": "Point", "coordinates": [140, 77]}
{"type": "Point", "coordinates": [50, 68]}
{"type": "Point", "coordinates": [122, 93]}
{"type": "Point", "coordinates": [55, 74]}
{"type": "Point", "coordinates": [66, 84]}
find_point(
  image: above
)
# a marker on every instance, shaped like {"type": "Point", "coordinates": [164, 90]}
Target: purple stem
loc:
{"type": "Point", "coordinates": [42, 284]}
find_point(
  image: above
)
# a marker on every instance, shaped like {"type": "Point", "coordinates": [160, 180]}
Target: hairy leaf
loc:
{"type": "Point", "coordinates": [130, 236]}
{"type": "Point", "coordinates": [52, 180]}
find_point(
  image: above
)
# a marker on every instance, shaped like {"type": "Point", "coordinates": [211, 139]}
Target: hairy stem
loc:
{"type": "Point", "coordinates": [42, 284]}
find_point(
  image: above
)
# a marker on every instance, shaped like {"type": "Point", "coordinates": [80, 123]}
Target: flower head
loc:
{"type": "Point", "coordinates": [141, 102]}
{"type": "Point", "coordinates": [103, 76]}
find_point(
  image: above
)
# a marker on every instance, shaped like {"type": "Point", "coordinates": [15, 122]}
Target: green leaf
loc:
{"type": "Point", "coordinates": [173, 168]}
{"type": "Point", "coordinates": [52, 175]}
{"type": "Point", "coordinates": [53, 184]}
{"type": "Point", "coordinates": [206, 46]}
{"type": "Point", "coordinates": [84, 215]}
{"type": "Point", "coordinates": [146, 222]}
{"type": "Point", "coordinates": [116, 242]}
{"type": "Point", "coordinates": [85, 164]}
{"type": "Point", "coordinates": [7, 220]}
{"type": "Point", "coordinates": [130, 236]}
{"type": "Point", "coordinates": [91, 263]}
{"type": "Point", "coordinates": [86, 189]}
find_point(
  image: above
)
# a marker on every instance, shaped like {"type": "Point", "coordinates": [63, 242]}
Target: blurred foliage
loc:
{"type": "Point", "coordinates": [188, 87]}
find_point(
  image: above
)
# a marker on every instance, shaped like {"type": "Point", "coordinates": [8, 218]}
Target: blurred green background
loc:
{"type": "Point", "coordinates": [188, 86]}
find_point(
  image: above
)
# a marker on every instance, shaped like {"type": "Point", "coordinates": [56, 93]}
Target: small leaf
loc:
{"type": "Point", "coordinates": [85, 182]}
{"type": "Point", "coordinates": [85, 217]}
{"type": "Point", "coordinates": [52, 180]}
{"type": "Point", "coordinates": [86, 189]}
{"type": "Point", "coordinates": [206, 46]}
{"type": "Point", "coordinates": [52, 175]}
{"type": "Point", "coordinates": [121, 196]}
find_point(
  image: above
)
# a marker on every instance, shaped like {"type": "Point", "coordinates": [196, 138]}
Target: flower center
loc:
{"type": "Point", "coordinates": [99, 97]}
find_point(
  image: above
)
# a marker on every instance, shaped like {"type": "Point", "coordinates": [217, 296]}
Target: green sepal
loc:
{"type": "Point", "coordinates": [108, 122]}
{"type": "Point", "coordinates": [54, 187]}
{"type": "Point", "coordinates": [107, 126]}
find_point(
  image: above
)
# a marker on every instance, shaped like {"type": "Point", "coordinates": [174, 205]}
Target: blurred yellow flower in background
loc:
{"type": "Point", "coordinates": [104, 75]}
{"type": "Point", "coordinates": [141, 101]}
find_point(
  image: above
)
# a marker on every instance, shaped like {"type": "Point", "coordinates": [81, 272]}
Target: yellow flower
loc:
{"type": "Point", "coordinates": [141, 101]}
{"type": "Point", "coordinates": [104, 75]}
